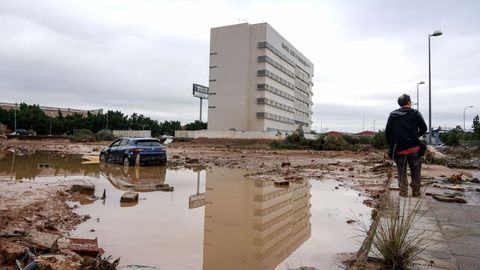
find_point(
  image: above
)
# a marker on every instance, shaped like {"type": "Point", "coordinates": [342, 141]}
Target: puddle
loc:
{"type": "Point", "coordinates": [214, 218]}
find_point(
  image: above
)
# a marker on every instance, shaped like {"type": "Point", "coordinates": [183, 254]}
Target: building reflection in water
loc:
{"type": "Point", "coordinates": [252, 224]}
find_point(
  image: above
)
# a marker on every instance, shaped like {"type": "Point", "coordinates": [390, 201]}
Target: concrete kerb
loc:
{"type": "Point", "coordinates": [362, 253]}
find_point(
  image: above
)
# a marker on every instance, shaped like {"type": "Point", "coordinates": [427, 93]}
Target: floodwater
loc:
{"type": "Point", "coordinates": [214, 219]}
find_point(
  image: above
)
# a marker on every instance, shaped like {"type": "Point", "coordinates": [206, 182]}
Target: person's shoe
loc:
{"type": "Point", "coordinates": [416, 194]}
{"type": "Point", "coordinates": [403, 194]}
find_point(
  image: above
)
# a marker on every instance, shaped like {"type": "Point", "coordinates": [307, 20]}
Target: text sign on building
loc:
{"type": "Point", "coordinates": [200, 91]}
{"type": "Point", "coordinates": [197, 200]}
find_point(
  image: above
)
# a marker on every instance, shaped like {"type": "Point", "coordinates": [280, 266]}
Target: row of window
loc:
{"type": "Point", "coordinates": [277, 65]}
{"type": "Point", "coordinates": [302, 104]}
{"type": "Point", "coordinates": [273, 235]}
{"type": "Point", "coordinates": [303, 96]}
{"type": "Point", "coordinates": [301, 113]}
{"type": "Point", "coordinates": [275, 90]}
{"type": "Point", "coordinates": [273, 221]}
{"type": "Point", "coordinates": [275, 77]}
{"type": "Point", "coordinates": [302, 109]}
{"type": "Point", "coordinates": [264, 44]}
{"type": "Point", "coordinates": [284, 240]}
{"type": "Point", "coordinates": [300, 123]}
{"type": "Point", "coordinates": [302, 75]}
{"type": "Point", "coordinates": [273, 208]}
{"type": "Point", "coordinates": [277, 193]}
{"type": "Point", "coordinates": [301, 85]}
{"type": "Point", "coordinates": [275, 104]}
{"type": "Point", "coordinates": [274, 117]}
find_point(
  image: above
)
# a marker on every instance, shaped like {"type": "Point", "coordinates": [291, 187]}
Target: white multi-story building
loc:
{"type": "Point", "coordinates": [258, 81]}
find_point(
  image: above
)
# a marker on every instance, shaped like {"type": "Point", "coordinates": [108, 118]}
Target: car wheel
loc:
{"type": "Point", "coordinates": [126, 161]}
{"type": "Point", "coordinates": [103, 158]}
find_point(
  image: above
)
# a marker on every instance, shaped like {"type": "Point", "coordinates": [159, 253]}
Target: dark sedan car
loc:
{"type": "Point", "coordinates": [126, 151]}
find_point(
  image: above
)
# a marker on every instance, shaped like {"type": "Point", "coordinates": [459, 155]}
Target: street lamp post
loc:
{"type": "Point", "coordinates": [434, 34]}
{"type": "Point", "coordinates": [15, 119]}
{"type": "Point", "coordinates": [471, 106]}
{"type": "Point", "coordinates": [418, 100]}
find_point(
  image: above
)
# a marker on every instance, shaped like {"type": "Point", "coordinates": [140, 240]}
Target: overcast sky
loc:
{"type": "Point", "coordinates": [143, 56]}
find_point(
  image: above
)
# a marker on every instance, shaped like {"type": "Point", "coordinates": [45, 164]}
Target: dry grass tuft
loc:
{"type": "Point", "coordinates": [396, 241]}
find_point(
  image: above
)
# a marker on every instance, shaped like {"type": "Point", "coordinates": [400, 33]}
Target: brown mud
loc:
{"type": "Point", "coordinates": [30, 205]}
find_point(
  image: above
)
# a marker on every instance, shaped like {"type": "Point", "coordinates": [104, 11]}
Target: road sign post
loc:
{"type": "Point", "coordinates": [201, 92]}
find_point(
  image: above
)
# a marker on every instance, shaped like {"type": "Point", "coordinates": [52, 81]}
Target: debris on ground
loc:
{"type": "Point", "coordinates": [129, 197]}
{"type": "Point", "coordinates": [456, 178]}
{"type": "Point", "coordinates": [164, 187]}
{"type": "Point", "coordinates": [449, 199]}
{"type": "Point", "coordinates": [85, 189]}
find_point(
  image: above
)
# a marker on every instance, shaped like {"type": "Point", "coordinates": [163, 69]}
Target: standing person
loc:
{"type": "Point", "coordinates": [404, 127]}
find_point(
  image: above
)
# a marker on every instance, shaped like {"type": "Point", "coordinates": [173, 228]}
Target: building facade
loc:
{"type": "Point", "coordinates": [258, 81]}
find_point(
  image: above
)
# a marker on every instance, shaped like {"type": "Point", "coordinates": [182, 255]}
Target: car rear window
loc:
{"type": "Point", "coordinates": [148, 143]}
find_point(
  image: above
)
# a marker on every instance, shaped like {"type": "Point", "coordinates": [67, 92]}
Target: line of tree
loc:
{"type": "Point", "coordinates": [31, 117]}
{"type": "Point", "coordinates": [458, 136]}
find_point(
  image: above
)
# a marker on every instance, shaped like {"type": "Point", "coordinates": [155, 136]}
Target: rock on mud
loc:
{"type": "Point", "coordinates": [41, 240]}
{"type": "Point", "coordinates": [129, 197]}
{"type": "Point", "coordinates": [86, 189]}
{"type": "Point", "coordinates": [9, 251]}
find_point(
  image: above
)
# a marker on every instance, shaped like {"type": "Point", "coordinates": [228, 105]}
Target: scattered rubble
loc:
{"type": "Point", "coordinates": [450, 199]}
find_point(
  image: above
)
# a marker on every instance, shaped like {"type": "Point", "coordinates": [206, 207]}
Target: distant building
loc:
{"type": "Point", "coordinates": [53, 111]}
{"type": "Point", "coordinates": [258, 81]}
{"type": "Point", "coordinates": [366, 133]}
{"type": "Point", "coordinates": [336, 134]}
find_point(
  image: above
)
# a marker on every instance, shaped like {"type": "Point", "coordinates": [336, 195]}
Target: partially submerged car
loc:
{"type": "Point", "coordinates": [126, 151]}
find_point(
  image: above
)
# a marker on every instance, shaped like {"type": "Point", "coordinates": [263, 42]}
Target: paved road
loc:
{"type": "Point", "coordinates": [454, 228]}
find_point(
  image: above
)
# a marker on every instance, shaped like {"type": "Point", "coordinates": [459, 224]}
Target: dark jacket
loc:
{"type": "Point", "coordinates": [404, 126]}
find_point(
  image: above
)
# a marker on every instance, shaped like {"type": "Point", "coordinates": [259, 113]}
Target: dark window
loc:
{"type": "Point", "coordinates": [261, 72]}
{"type": "Point", "coordinates": [260, 115]}
{"type": "Point", "coordinates": [148, 143]}
{"type": "Point", "coordinates": [261, 100]}
{"type": "Point", "coordinates": [115, 143]}
{"type": "Point", "coordinates": [262, 58]}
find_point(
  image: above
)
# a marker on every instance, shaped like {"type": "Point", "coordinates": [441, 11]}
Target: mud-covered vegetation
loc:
{"type": "Point", "coordinates": [297, 140]}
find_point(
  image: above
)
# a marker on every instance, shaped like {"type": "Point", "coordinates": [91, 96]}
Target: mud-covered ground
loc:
{"type": "Point", "coordinates": [26, 206]}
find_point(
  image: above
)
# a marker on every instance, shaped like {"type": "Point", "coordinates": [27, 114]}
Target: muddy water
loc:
{"type": "Point", "coordinates": [214, 219]}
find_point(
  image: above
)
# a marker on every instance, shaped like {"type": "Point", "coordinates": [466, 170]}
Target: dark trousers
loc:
{"type": "Point", "coordinates": [414, 162]}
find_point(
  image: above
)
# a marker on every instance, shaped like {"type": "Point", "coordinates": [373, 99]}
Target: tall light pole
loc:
{"type": "Point", "coordinates": [15, 120]}
{"type": "Point", "coordinates": [430, 133]}
{"type": "Point", "coordinates": [418, 100]}
{"type": "Point", "coordinates": [471, 106]}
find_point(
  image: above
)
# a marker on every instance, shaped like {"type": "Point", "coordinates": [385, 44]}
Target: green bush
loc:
{"type": "Point", "coordinates": [453, 137]}
{"type": "Point", "coordinates": [105, 135]}
{"type": "Point", "coordinates": [336, 144]}
{"type": "Point", "coordinates": [82, 135]}
{"type": "Point", "coordinates": [379, 140]}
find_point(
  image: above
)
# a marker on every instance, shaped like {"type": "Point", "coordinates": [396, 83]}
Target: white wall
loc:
{"type": "Point", "coordinates": [133, 133]}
